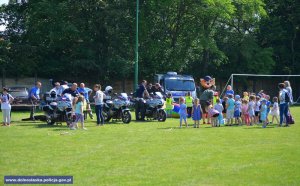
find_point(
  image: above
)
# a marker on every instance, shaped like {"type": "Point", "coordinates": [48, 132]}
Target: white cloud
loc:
{"type": "Point", "coordinates": [3, 2]}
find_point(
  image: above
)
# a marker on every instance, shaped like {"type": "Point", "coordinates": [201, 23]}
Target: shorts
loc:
{"type": "Point", "coordinates": [256, 113]}
{"type": "Point", "coordinates": [237, 114]}
{"type": "Point", "coordinates": [229, 114]}
{"type": "Point", "coordinates": [203, 106]}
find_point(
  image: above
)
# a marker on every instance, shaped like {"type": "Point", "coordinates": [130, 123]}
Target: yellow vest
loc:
{"type": "Point", "coordinates": [189, 101]}
{"type": "Point", "coordinates": [169, 103]}
{"type": "Point", "coordinates": [215, 99]}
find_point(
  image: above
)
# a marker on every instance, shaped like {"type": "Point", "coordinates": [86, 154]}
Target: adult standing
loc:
{"type": "Point", "coordinates": [34, 97]}
{"type": "Point", "coordinates": [288, 87]}
{"type": "Point", "coordinates": [284, 105]}
{"type": "Point", "coordinates": [72, 90]}
{"type": "Point", "coordinates": [206, 96]}
{"type": "Point", "coordinates": [99, 104]}
{"type": "Point", "coordinates": [156, 88]}
{"type": "Point", "coordinates": [74, 94]}
{"type": "Point", "coordinates": [141, 92]}
{"type": "Point", "coordinates": [149, 88]}
{"type": "Point", "coordinates": [64, 85]}
{"type": "Point", "coordinates": [229, 91]}
{"type": "Point", "coordinates": [57, 89]}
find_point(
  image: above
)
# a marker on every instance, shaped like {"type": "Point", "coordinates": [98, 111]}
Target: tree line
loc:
{"type": "Point", "coordinates": [69, 39]}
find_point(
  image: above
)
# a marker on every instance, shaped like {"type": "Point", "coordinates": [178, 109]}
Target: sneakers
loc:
{"type": "Point", "coordinates": [84, 128]}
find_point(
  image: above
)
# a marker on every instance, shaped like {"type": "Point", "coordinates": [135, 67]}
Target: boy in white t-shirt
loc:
{"type": "Point", "coordinates": [6, 100]}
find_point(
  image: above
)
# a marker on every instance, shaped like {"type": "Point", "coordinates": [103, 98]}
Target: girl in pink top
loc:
{"type": "Point", "coordinates": [213, 114]}
{"type": "Point", "coordinates": [245, 113]}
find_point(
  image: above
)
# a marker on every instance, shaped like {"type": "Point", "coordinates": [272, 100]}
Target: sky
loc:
{"type": "Point", "coordinates": [2, 2]}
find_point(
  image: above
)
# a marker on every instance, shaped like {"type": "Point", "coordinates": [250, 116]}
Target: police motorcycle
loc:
{"type": "Point", "coordinates": [116, 107]}
{"type": "Point", "coordinates": [57, 109]}
{"type": "Point", "coordinates": [154, 107]}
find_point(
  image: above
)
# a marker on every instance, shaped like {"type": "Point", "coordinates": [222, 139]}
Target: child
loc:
{"type": "Point", "coordinates": [212, 114]}
{"type": "Point", "coordinates": [275, 110]}
{"type": "Point", "coordinates": [219, 107]}
{"type": "Point", "coordinates": [237, 109]}
{"type": "Point", "coordinates": [197, 113]}
{"type": "Point", "coordinates": [263, 112]}
{"type": "Point", "coordinates": [189, 103]}
{"type": "Point", "coordinates": [230, 109]}
{"type": "Point", "coordinates": [169, 105]}
{"type": "Point", "coordinates": [257, 109]}
{"type": "Point", "coordinates": [224, 101]}
{"type": "Point", "coordinates": [268, 103]}
{"type": "Point", "coordinates": [182, 111]}
{"type": "Point", "coordinates": [216, 96]}
{"type": "Point", "coordinates": [79, 113]}
{"type": "Point", "coordinates": [84, 103]}
{"type": "Point", "coordinates": [251, 111]}
{"type": "Point", "coordinates": [245, 113]}
{"type": "Point", "coordinates": [6, 100]}
{"type": "Point", "coordinates": [246, 96]}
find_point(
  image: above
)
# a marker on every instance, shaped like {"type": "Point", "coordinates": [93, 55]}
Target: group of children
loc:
{"type": "Point", "coordinates": [249, 110]}
{"type": "Point", "coordinates": [80, 111]}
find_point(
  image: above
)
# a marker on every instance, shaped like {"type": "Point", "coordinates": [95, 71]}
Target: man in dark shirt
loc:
{"type": "Point", "coordinates": [156, 88]}
{"type": "Point", "coordinates": [141, 92]}
{"type": "Point", "coordinates": [73, 90]}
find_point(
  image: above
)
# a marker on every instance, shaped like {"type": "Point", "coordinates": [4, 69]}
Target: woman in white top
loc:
{"type": "Point", "coordinates": [283, 104]}
{"type": "Point", "coordinates": [99, 104]}
{"type": "Point", "coordinates": [6, 100]}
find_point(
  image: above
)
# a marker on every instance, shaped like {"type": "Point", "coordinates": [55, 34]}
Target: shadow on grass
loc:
{"type": "Point", "coordinates": [260, 127]}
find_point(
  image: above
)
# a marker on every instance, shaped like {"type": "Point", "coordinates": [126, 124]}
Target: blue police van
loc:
{"type": "Point", "coordinates": [177, 85]}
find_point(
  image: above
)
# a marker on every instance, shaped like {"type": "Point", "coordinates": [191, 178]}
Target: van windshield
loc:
{"type": "Point", "coordinates": [179, 85]}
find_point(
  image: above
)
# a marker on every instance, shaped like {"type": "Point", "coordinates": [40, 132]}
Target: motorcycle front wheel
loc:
{"type": "Point", "coordinates": [161, 116]}
{"type": "Point", "coordinates": [106, 116]}
{"type": "Point", "coordinates": [126, 117]}
{"type": "Point", "coordinates": [50, 121]}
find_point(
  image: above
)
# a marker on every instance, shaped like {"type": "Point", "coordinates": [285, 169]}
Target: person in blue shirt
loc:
{"type": "Point", "coordinates": [268, 103]}
{"type": "Point", "coordinates": [34, 97]}
{"type": "Point", "coordinates": [86, 93]}
{"type": "Point", "coordinates": [229, 91]}
{"type": "Point", "coordinates": [230, 104]}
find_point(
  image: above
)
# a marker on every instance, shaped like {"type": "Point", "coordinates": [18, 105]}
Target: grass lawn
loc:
{"type": "Point", "coordinates": [153, 153]}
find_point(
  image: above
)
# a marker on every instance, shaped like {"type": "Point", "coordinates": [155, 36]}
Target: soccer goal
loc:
{"type": "Point", "coordinates": [257, 82]}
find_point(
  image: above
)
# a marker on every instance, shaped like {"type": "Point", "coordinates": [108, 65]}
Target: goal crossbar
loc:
{"type": "Point", "coordinates": [255, 75]}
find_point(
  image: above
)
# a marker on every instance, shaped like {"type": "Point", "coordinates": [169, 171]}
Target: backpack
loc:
{"type": "Point", "coordinates": [290, 119]}
{"type": "Point", "coordinates": [287, 97]}
{"type": "Point", "coordinates": [6, 95]}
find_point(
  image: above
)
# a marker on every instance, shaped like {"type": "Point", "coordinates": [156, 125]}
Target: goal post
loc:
{"type": "Point", "coordinates": [233, 76]}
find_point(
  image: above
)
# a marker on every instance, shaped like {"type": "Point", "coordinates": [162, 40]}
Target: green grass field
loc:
{"type": "Point", "coordinates": [153, 153]}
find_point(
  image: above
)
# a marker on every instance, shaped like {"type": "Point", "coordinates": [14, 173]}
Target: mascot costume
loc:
{"type": "Point", "coordinates": [205, 83]}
